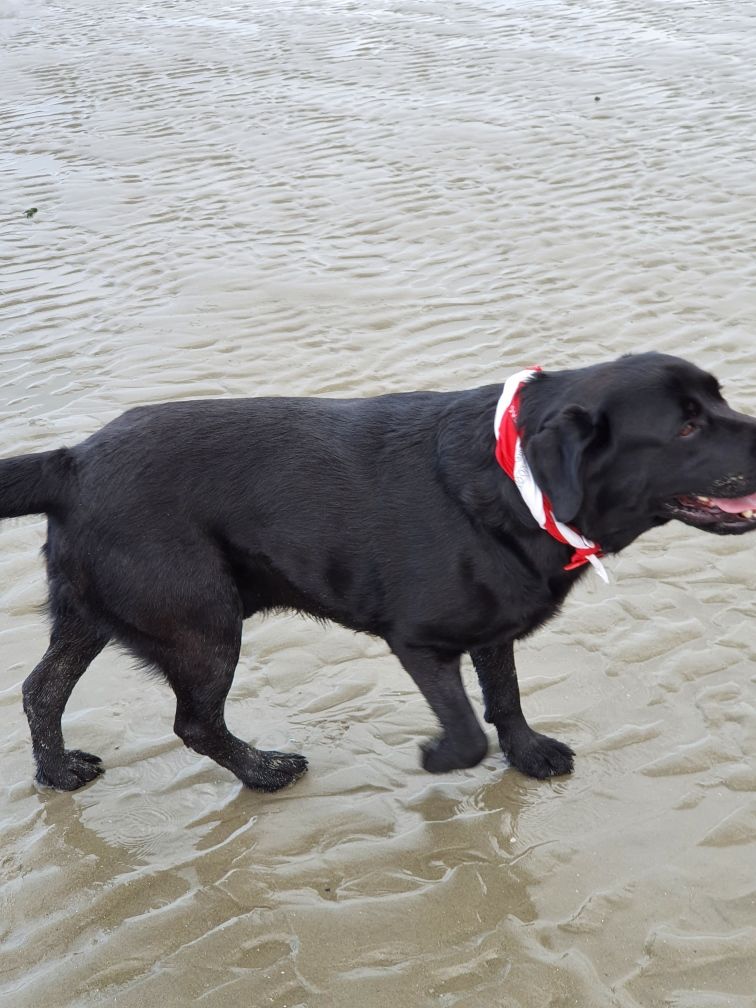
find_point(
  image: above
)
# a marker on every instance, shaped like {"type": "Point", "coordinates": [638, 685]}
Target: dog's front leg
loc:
{"type": "Point", "coordinates": [530, 752]}
{"type": "Point", "coordinates": [463, 742]}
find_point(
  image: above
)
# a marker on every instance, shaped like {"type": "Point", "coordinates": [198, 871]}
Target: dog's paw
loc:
{"type": "Point", "coordinates": [272, 770]}
{"type": "Point", "coordinates": [539, 756]}
{"type": "Point", "coordinates": [72, 771]}
{"type": "Point", "coordinates": [440, 756]}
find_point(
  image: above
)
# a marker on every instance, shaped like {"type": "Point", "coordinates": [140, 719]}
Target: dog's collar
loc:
{"type": "Point", "coordinates": [511, 458]}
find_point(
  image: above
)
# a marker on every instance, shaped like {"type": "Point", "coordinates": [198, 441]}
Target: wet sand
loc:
{"type": "Point", "coordinates": [343, 198]}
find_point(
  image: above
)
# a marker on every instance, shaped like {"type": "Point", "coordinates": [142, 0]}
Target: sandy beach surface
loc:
{"type": "Point", "coordinates": [336, 198]}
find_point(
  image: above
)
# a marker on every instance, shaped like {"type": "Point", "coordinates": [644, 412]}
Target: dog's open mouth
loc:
{"type": "Point", "coordinates": [724, 515]}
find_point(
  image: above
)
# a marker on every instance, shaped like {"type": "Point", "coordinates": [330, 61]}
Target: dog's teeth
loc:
{"type": "Point", "coordinates": [747, 514]}
{"type": "Point", "coordinates": [706, 500]}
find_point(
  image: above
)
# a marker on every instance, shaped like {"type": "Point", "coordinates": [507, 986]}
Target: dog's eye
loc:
{"type": "Point", "coordinates": [692, 412]}
{"type": "Point", "coordinates": [692, 408]}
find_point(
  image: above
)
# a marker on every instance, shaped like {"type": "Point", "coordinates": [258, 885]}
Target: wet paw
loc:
{"type": "Point", "coordinates": [274, 770]}
{"type": "Point", "coordinates": [539, 756]}
{"type": "Point", "coordinates": [439, 755]}
{"type": "Point", "coordinates": [74, 769]}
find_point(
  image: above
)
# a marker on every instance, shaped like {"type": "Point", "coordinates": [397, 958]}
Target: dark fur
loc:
{"type": "Point", "coordinates": [175, 522]}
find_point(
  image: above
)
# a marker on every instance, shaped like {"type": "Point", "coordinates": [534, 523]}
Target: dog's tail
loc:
{"type": "Point", "coordinates": [35, 484]}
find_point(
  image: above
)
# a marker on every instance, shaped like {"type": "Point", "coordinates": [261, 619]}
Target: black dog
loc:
{"type": "Point", "coordinates": [392, 516]}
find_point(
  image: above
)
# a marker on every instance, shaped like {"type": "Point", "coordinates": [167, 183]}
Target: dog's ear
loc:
{"type": "Point", "coordinates": [555, 455]}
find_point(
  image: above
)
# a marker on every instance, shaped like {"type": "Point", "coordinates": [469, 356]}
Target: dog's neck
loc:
{"type": "Point", "coordinates": [511, 457]}
{"type": "Point", "coordinates": [480, 486]}
{"type": "Point", "coordinates": [490, 497]}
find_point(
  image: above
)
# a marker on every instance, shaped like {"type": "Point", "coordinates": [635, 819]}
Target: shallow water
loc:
{"type": "Point", "coordinates": [345, 198]}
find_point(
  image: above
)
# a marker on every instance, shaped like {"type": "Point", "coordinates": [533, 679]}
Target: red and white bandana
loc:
{"type": "Point", "coordinates": [511, 458]}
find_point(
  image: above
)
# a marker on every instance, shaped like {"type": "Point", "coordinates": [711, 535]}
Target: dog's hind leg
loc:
{"type": "Point", "coordinates": [74, 643]}
{"type": "Point", "coordinates": [200, 670]}
{"type": "Point", "coordinates": [463, 742]}
{"type": "Point", "coordinates": [530, 752]}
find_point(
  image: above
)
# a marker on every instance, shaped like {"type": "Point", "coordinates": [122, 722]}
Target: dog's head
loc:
{"type": "Point", "coordinates": [621, 447]}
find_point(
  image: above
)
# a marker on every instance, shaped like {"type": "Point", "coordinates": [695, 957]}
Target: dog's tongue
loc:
{"type": "Point", "coordinates": [734, 505]}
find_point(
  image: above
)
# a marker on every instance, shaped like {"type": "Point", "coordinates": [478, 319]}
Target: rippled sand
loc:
{"type": "Point", "coordinates": [329, 198]}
